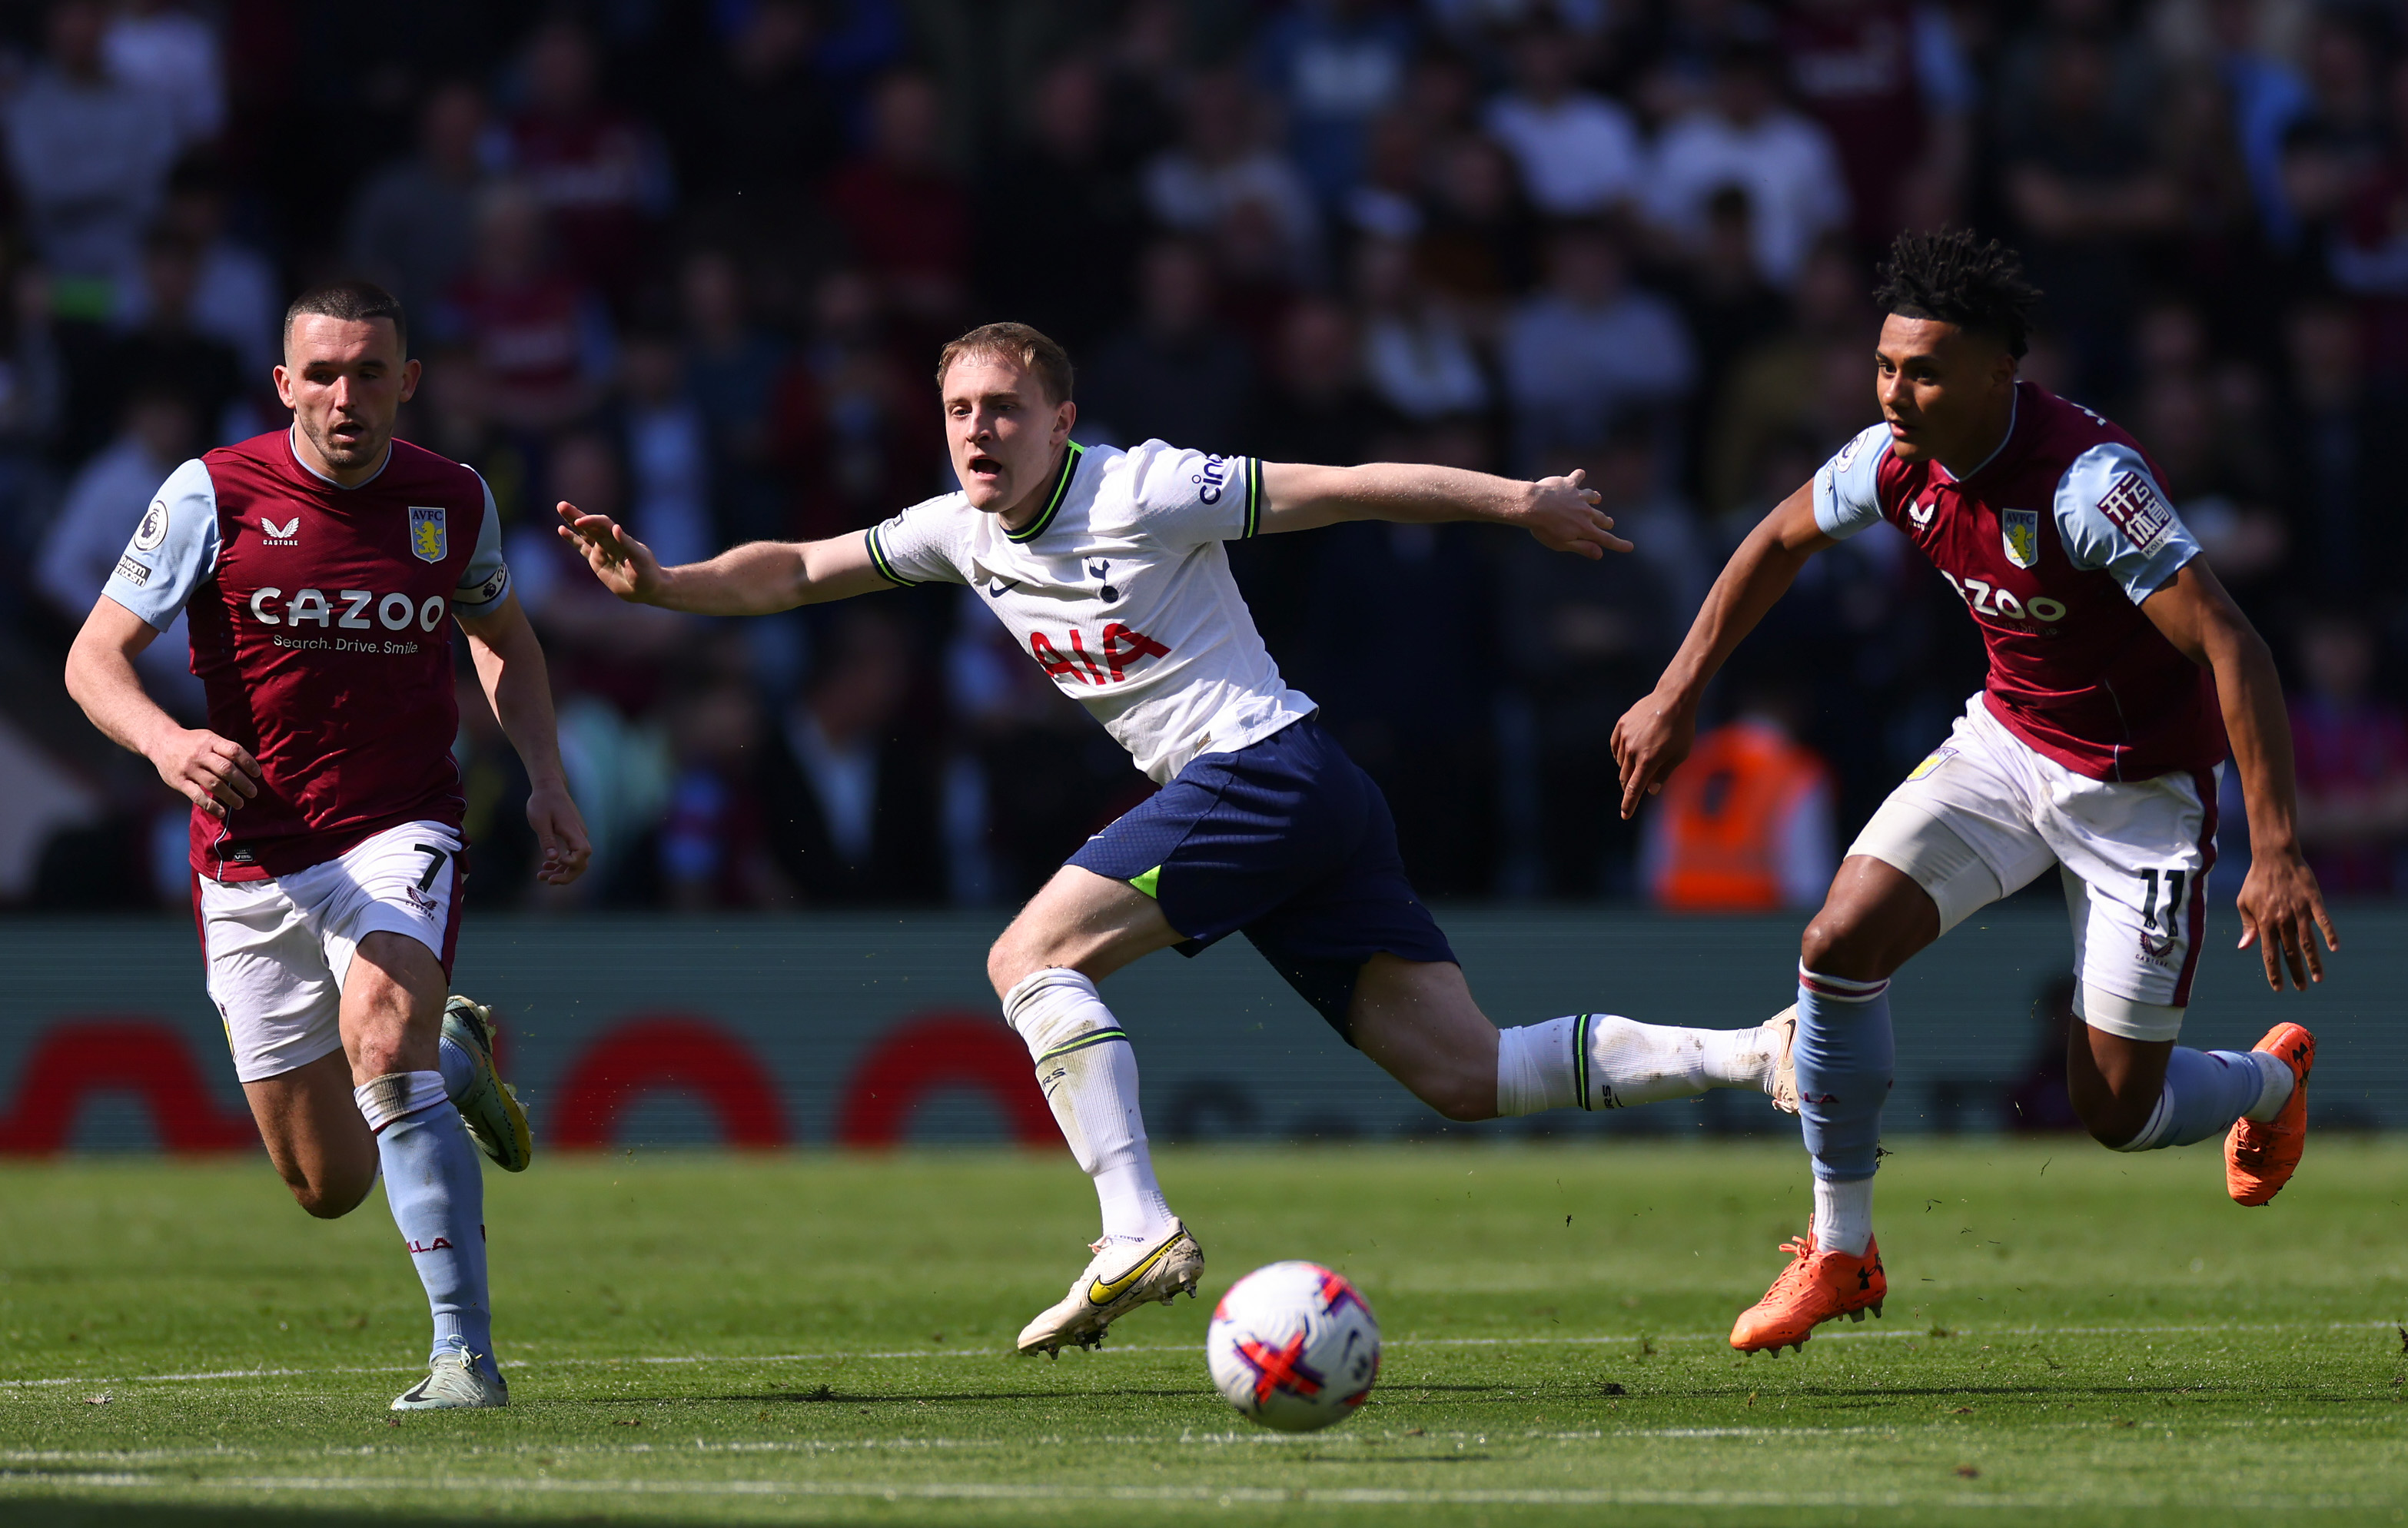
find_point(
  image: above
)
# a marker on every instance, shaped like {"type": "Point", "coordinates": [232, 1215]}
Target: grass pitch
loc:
{"type": "Point", "coordinates": [2072, 1338]}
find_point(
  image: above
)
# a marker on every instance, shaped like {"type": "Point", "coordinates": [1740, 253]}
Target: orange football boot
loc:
{"type": "Point", "coordinates": [1816, 1287]}
{"type": "Point", "coordinates": [2258, 1159]}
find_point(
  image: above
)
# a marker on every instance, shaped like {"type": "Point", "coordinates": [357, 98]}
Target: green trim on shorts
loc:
{"type": "Point", "coordinates": [1150, 882]}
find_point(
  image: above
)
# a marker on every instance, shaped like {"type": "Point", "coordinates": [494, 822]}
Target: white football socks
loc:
{"type": "Point", "coordinates": [1843, 1215]}
{"type": "Point", "coordinates": [1089, 1074]}
{"type": "Point", "coordinates": [1602, 1060]}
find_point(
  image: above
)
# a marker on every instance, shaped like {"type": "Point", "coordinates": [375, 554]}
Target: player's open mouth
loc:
{"type": "Point", "coordinates": [985, 467]}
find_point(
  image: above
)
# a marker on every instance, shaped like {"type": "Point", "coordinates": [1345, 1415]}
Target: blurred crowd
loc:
{"type": "Point", "coordinates": [689, 265]}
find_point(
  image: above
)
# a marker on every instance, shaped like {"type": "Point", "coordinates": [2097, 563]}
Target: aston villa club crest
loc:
{"type": "Point", "coordinates": [2020, 530]}
{"type": "Point", "coordinates": [428, 542]}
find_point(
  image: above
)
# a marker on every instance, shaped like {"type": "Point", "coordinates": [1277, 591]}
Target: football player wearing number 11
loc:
{"type": "Point", "coordinates": [2119, 669]}
{"type": "Point", "coordinates": [1108, 568]}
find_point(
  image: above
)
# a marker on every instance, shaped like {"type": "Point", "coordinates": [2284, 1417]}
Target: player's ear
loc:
{"type": "Point", "coordinates": [1066, 414]}
{"type": "Point", "coordinates": [410, 372]}
{"type": "Point", "coordinates": [283, 385]}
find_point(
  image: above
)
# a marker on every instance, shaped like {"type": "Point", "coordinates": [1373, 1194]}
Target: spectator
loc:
{"type": "Point", "coordinates": [850, 798]}
{"type": "Point", "coordinates": [1888, 81]}
{"type": "Point", "coordinates": [908, 215]}
{"type": "Point", "coordinates": [2352, 746]}
{"type": "Point", "coordinates": [1745, 136]}
{"type": "Point", "coordinates": [237, 296]}
{"type": "Point", "coordinates": [2337, 142]}
{"type": "Point", "coordinates": [103, 504]}
{"type": "Point", "coordinates": [1416, 356]}
{"type": "Point", "coordinates": [756, 120]}
{"type": "Point", "coordinates": [91, 158]}
{"type": "Point", "coordinates": [1746, 825]}
{"type": "Point", "coordinates": [2347, 453]}
{"type": "Point", "coordinates": [168, 349]}
{"type": "Point", "coordinates": [542, 337]}
{"type": "Point", "coordinates": [2267, 98]}
{"type": "Point", "coordinates": [411, 227]}
{"type": "Point", "coordinates": [2369, 250]}
{"type": "Point", "coordinates": [732, 369]}
{"type": "Point", "coordinates": [1177, 374]}
{"type": "Point", "coordinates": [163, 51]}
{"type": "Point", "coordinates": [1387, 202]}
{"type": "Point", "coordinates": [1585, 641]}
{"type": "Point", "coordinates": [2087, 189]}
{"type": "Point", "coordinates": [667, 445]}
{"type": "Point", "coordinates": [1590, 345]}
{"type": "Point", "coordinates": [1481, 244]}
{"type": "Point", "coordinates": [1578, 153]}
{"type": "Point", "coordinates": [597, 171]}
{"type": "Point", "coordinates": [1219, 163]}
{"type": "Point", "coordinates": [1067, 220]}
{"type": "Point", "coordinates": [856, 430]}
{"type": "Point", "coordinates": [1728, 306]}
{"type": "Point", "coordinates": [1334, 66]}
{"type": "Point", "coordinates": [1776, 389]}
{"type": "Point", "coordinates": [711, 853]}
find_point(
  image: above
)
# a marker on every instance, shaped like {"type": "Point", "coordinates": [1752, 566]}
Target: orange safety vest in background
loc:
{"type": "Point", "coordinates": [1725, 814]}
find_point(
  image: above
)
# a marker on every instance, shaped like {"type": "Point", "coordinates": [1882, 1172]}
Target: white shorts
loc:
{"type": "Point", "coordinates": [1987, 813]}
{"type": "Point", "coordinates": [278, 951]}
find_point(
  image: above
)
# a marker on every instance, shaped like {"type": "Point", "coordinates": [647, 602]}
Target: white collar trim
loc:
{"type": "Point", "coordinates": [302, 464]}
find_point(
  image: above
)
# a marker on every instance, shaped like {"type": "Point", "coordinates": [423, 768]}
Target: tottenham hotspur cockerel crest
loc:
{"type": "Point", "coordinates": [2020, 530]}
{"type": "Point", "coordinates": [426, 537]}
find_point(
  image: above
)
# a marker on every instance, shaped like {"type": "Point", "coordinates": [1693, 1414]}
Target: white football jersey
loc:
{"type": "Point", "coordinates": [1121, 591]}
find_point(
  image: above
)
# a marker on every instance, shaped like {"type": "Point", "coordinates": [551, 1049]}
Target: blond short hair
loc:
{"type": "Point", "coordinates": [1031, 350]}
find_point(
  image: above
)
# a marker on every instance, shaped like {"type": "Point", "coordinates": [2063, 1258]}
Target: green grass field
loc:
{"type": "Point", "coordinates": [2072, 1338]}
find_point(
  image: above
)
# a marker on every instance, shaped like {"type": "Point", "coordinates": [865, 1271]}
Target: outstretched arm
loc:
{"type": "Point", "coordinates": [1653, 737]}
{"type": "Point", "coordinates": [2282, 911]}
{"type": "Point", "coordinates": [213, 772]}
{"type": "Point", "coordinates": [510, 667]}
{"type": "Point", "coordinates": [757, 578]}
{"type": "Point", "coordinates": [1560, 512]}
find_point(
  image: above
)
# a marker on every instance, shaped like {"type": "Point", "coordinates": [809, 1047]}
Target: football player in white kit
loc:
{"type": "Point", "coordinates": [1108, 567]}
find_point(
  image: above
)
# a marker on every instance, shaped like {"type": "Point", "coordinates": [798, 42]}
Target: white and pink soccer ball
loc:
{"type": "Point", "coordinates": [1293, 1347]}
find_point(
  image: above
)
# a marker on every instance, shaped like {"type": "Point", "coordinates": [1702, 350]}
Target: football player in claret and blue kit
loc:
{"type": "Point", "coordinates": [320, 567]}
{"type": "Point", "coordinates": [1108, 568]}
{"type": "Point", "coordinates": [2120, 673]}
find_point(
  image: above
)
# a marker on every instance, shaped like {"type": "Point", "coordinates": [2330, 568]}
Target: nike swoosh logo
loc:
{"type": "Point", "coordinates": [1101, 1293]}
{"type": "Point", "coordinates": [1001, 587]}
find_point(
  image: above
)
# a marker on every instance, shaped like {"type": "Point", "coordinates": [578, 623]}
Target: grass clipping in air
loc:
{"type": "Point", "coordinates": [702, 1338]}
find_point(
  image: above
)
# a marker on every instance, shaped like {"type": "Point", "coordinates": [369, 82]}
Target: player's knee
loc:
{"type": "Point", "coordinates": [1842, 942]}
{"type": "Point", "coordinates": [1006, 963]}
{"type": "Point", "coordinates": [326, 1200]}
{"type": "Point", "coordinates": [2112, 1122]}
{"type": "Point", "coordinates": [1464, 1100]}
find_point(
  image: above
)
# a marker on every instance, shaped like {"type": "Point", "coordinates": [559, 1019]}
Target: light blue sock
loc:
{"type": "Point", "coordinates": [459, 1068]}
{"type": "Point", "coordinates": [2205, 1091]}
{"type": "Point", "coordinates": [1844, 1055]}
{"type": "Point", "coordinates": [435, 1188]}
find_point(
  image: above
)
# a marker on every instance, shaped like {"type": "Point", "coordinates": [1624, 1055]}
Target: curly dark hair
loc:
{"type": "Point", "coordinates": [1952, 277]}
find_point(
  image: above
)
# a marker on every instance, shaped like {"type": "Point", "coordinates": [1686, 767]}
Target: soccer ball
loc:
{"type": "Point", "coordinates": [1293, 1347]}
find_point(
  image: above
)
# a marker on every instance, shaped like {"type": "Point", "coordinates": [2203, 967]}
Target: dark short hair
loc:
{"type": "Point", "coordinates": [1017, 342]}
{"type": "Point", "coordinates": [354, 301]}
{"type": "Point", "coordinates": [1951, 277]}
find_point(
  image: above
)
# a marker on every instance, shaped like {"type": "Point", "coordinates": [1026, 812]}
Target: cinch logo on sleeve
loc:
{"type": "Point", "coordinates": [1120, 650]}
{"type": "Point", "coordinates": [1211, 480]}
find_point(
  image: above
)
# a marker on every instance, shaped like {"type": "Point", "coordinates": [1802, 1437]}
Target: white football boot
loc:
{"type": "Point", "coordinates": [490, 1108]}
{"type": "Point", "coordinates": [1785, 1071]}
{"type": "Point", "coordinates": [454, 1383]}
{"type": "Point", "coordinates": [1121, 1276]}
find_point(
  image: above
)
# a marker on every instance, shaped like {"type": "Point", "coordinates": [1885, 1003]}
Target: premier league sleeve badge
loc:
{"type": "Point", "coordinates": [2020, 530]}
{"type": "Point", "coordinates": [428, 542]}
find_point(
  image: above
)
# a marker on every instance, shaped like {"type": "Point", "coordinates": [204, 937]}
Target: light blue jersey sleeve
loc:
{"type": "Point", "coordinates": [2111, 514]}
{"type": "Point", "coordinates": [174, 550]}
{"type": "Point", "coordinates": [1847, 496]}
{"type": "Point", "coordinates": [486, 580]}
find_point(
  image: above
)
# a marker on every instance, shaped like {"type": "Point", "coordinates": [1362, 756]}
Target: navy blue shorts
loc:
{"type": "Point", "coordinates": [1289, 842]}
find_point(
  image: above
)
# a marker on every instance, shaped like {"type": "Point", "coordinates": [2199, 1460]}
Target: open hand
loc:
{"type": "Point", "coordinates": [1562, 513]}
{"type": "Point", "coordinates": [212, 773]}
{"type": "Point", "coordinates": [561, 832]}
{"type": "Point", "coordinates": [626, 566]}
{"type": "Point", "coordinates": [1649, 743]}
{"type": "Point", "coordinates": [2281, 913]}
